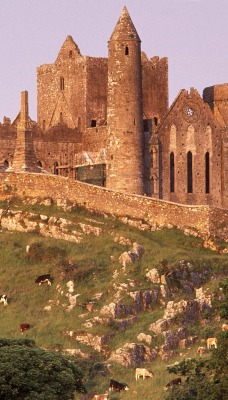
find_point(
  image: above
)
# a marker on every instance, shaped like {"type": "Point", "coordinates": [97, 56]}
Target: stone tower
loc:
{"type": "Point", "coordinates": [124, 110]}
{"type": "Point", "coordinates": [24, 159]}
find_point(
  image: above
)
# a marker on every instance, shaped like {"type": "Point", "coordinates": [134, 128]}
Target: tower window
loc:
{"type": "Point", "coordinates": [126, 51]}
{"type": "Point", "coordinates": [6, 163]}
{"type": "Point", "coordinates": [70, 54]}
{"type": "Point", "coordinates": [93, 123]}
{"type": "Point", "coordinates": [39, 163]}
{"type": "Point", "coordinates": [56, 171]}
{"type": "Point", "coordinates": [61, 83]}
{"type": "Point", "coordinates": [44, 124]}
{"type": "Point", "coordinates": [189, 172]}
{"type": "Point", "coordinates": [207, 173]}
{"type": "Point", "coordinates": [172, 173]}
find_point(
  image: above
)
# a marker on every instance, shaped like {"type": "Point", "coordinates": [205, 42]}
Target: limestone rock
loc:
{"type": "Point", "coordinates": [159, 326]}
{"type": "Point", "coordinates": [143, 337]}
{"type": "Point", "coordinates": [153, 275]}
{"type": "Point", "coordinates": [133, 354]}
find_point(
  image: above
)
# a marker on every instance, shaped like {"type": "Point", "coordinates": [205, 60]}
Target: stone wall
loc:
{"type": "Point", "coordinates": [154, 212]}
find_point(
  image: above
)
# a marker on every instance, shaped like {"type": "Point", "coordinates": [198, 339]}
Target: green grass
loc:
{"type": "Point", "coordinates": [93, 274]}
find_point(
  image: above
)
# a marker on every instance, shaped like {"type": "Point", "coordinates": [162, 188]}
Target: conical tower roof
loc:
{"type": "Point", "coordinates": [125, 29]}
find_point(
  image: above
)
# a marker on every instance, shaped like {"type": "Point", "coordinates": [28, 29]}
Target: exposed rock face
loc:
{"type": "Point", "coordinates": [142, 337]}
{"type": "Point", "coordinates": [129, 257]}
{"type": "Point", "coordinates": [159, 326]}
{"type": "Point", "coordinates": [57, 228]}
{"type": "Point", "coordinates": [153, 275]}
{"type": "Point", "coordinates": [133, 354]}
{"type": "Point", "coordinates": [190, 308]}
{"type": "Point", "coordinates": [97, 342]}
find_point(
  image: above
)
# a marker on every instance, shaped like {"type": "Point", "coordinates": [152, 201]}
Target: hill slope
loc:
{"type": "Point", "coordinates": [98, 304]}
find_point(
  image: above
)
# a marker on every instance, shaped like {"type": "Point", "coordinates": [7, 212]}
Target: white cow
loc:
{"type": "Point", "coordinates": [224, 327]}
{"type": "Point", "coordinates": [143, 372]}
{"type": "Point", "coordinates": [101, 396]}
{"type": "Point", "coordinates": [213, 341]}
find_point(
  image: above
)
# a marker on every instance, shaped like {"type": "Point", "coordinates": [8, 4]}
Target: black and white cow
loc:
{"type": "Point", "coordinates": [43, 278]}
{"type": "Point", "coordinates": [114, 385]}
{"type": "Point", "coordinates": [3, 299]}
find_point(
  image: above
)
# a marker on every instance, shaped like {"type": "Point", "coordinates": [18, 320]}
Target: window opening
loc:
{"type": "Point", "coordinates": [207, 173]}
{"type": "Point", "coordinates": [6, 163]}
{"type": "Point", "coordinates": [172, 173]}
{"type": "Point", "coordinates": [61, 83]}
{"type": "Point", "coordinates": [70, 54]}
{"type": "Point", "coordinates": [126, 51]}
{"type": "Point", "coordinates": [44, 124]}
{"type": "Point", "coordinates": [39, 163]}
{"type": "Point", "coordinates": [56, 171]}
{"type": "Point", "coordinates": [93, 123]}
{"type": "Point", "coordinates": [189, 171]}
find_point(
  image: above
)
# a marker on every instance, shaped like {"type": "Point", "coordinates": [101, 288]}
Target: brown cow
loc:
{"type": "Point", "coordinates": [24, 327]}
{"type": "Point", "coordinates": [172, 383]}
{"type": "Point", "coordinates": [201, 350]}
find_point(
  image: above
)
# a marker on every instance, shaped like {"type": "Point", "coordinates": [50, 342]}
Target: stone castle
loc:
{"type": "Point", "coordinates": [107, 121]}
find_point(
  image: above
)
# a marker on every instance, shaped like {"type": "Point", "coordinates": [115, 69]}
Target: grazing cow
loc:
{"type": "Point", "coordinates": [142, 372]}
{"type": "Point", "coordinates": [201, 350]}
{"type": "Point", "coordinates": [101, 396]}
{"type": "Point", "coordinates": [225, 327]}
{"type": "Point", "coordinates": [24, 327]}
{"type": "Point", "coordinates": [172, 383]}
{"type": "Point", "coordinates": [3, 299]}
{"type": "Point", "coordinates": [114, 385]}
{"type": "Point", "coordinates": [44, 278]}
{"type": "Point", "coordinates": [212, 341]}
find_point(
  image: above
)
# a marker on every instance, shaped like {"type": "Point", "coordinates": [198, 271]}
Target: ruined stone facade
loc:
{"type": "Point", "coordinates": [107, 121]}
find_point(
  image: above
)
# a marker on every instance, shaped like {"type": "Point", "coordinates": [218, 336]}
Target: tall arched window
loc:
{"type": "Point", "coordinates": [6, 163]}
{"type": "Point", "coordinates": [172, 173]}
{"type": "Point", "coordinates": [39, 163]}
{"type": "Point", "coordinates": [189, 172]}
{"type": "Point", "coordinates": [207, 172]}
{"type": "Point", "coordinates": [56, 171]}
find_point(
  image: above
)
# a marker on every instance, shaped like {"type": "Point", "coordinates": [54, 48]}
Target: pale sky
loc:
{"type": "Point", "coordinates": [193, 34]}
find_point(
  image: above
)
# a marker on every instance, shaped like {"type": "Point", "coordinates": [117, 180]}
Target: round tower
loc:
{"type": "Point", "coordinates": [124, 112]}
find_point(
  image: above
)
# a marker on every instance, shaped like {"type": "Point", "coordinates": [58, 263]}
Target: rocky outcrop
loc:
{"type": "Point", "coordinates": [133, 354]}
{"type": "Point", "coordinates": [129, 257]}
{"type": "Point", "coordinates": [95, 341]}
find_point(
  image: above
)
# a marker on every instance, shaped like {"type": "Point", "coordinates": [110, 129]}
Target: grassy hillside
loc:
{"type": "Point", "coordinates": [91, 265]}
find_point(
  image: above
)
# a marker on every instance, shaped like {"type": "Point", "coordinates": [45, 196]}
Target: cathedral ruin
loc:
{"type": "Point", "coordinates": [107, 122]}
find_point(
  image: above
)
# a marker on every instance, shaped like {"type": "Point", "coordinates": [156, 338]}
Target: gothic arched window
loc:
{"type": "Point", "coordinates": [172, 173]}
{"type": "Point", "coordinates": [189, 172]}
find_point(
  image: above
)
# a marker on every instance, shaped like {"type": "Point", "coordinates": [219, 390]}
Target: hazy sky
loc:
{"type": "Point", "coordinates": [193, 34]}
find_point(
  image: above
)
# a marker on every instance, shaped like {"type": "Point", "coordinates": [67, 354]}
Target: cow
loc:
{"type": "Point", "coordinates": [3, 299]}
{"type": "Point", "coordinates": [224, 327]}
{"type": "Point", "coordinates": [101, 396]}
{"type": "Point", "coordinates": [44, 278]}
{"type": "Point", "coordinates": [24, 327]}
{"type": "Point", "coordinates": [201, 350]}
{"type": "Point", "coordinates": [213, 341]}
{"type": "Point", "coordinates": [142, 372]}
{"type": "Point", "coordinates": [172, 383]}
{"type": "Point", "coordinates": [114, 385]}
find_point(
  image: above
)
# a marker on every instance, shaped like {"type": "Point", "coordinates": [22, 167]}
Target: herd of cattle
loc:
{"type": "Point", "coordinates": [139, 372]}
{"type": "Point", "coordinates": [41, 279]}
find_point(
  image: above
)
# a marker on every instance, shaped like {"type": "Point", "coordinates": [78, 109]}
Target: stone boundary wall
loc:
{"type": "Point", "coordinates": [152, 211]}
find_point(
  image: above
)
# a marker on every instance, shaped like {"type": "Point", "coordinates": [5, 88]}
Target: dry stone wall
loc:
{"type": "Point", "coordinates": [155, 212]}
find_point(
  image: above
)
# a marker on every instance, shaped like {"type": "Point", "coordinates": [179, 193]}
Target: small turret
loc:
{"type": "Point", "coordinates": [124, 113]}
